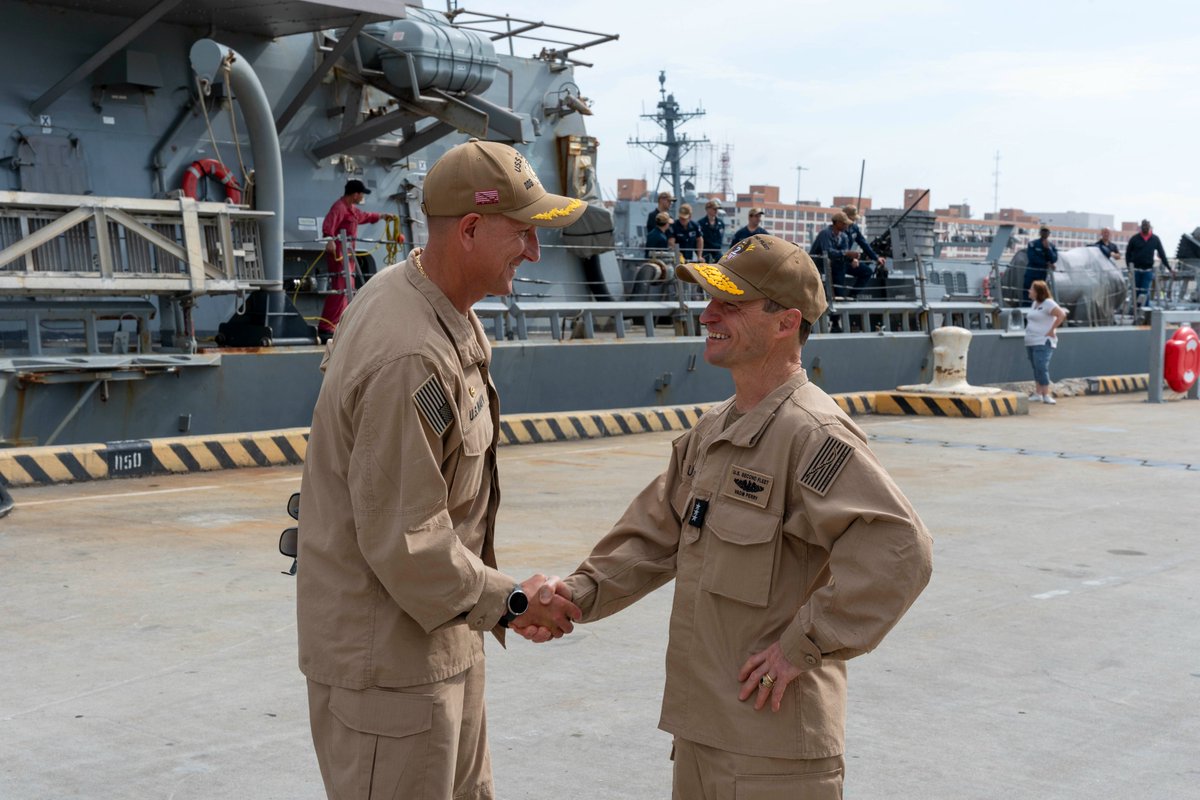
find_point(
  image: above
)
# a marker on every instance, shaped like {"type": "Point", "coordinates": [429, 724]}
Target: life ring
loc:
{"type": "Point", "coordinates": [1181, 360]}
{"type": "Point", "coordinates": [214, 168]}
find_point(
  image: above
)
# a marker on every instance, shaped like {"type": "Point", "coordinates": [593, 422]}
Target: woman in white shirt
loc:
{"type": "Point", "coordinates": [1041, 321]}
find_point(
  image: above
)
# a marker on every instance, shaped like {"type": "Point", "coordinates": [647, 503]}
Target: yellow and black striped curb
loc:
{"type": "Point", "coordinates": [1116, 384]}
{"type": "Point", "coordinates": [568, 425]}
{"type": "Point", "coordinates": [86, 462]}
{"type": "Point", "coordinates": [33, 466]}
{"type": "Point", "coordinates": [857, 403]}
{"type": "Point", "coordinates": [1002, 404]}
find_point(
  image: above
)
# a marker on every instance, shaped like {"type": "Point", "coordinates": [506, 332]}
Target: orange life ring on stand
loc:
{"type": "Point", "coordinates": [214, 168]}
{"type": "Point", "coordinates": [1181, 361]}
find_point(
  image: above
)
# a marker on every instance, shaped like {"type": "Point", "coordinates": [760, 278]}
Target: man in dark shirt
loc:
{"type": "Point", "coordinates": [656, 237]}
{"type": "Point", "coordinates": [1042, 256]}
{"type": "Point", "coordinates": [855, 234]}
{"type": "Point", "coordinates": [751, 228]}
{"type": "Point", "coordinates": [1110, 250]}
{"type": "Point", "coordinates": [834, 244]}
{"type": "Point", "coordinates": [664, 207]}
{"type": "Point", "coordinates": [1140, 255]}
{"type": "Point", "coordinates": [685, 233]}
{"type": "Point", "coordinates": [712, 231]}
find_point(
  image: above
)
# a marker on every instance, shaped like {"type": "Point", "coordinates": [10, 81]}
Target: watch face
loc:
{"type": "Point", "coordinates": [518, 603]}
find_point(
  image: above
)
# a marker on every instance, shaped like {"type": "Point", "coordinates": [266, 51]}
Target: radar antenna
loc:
{"type": "Point", "coordinates": [670, 118]}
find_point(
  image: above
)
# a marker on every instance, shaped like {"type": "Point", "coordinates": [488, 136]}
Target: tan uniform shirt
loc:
{"type": "Point", "coordinates": [397, 578]}
{"type": "Point", "coordinates": [805, 540]}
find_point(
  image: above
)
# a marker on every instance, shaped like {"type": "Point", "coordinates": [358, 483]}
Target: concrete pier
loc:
{"type": "Point", "coordinates": [148, 642]}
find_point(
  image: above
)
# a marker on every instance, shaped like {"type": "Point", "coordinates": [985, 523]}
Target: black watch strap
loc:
{"type": "Point", "coordinates": [515, 606]}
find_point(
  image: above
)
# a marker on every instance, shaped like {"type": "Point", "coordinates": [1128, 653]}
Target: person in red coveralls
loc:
{"type": "Point", "coordinates": [342, 217]}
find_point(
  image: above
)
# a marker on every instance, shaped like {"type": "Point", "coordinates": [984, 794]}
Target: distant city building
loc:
{"type": "Point", "coordinates": [956, 233]}
{"type": "Point", "coordinates": [1012, 215]}
{"type": "Point", "coordinates": [910, 197]}
{"type": "Point", "coordinates": [962, 211]}
{"type": "Point", "coordinates": [863, 203]}
{"type": "Point", "coordinates": [631, 188]}
{"type": "Point", "coordinates": [1075, 219]}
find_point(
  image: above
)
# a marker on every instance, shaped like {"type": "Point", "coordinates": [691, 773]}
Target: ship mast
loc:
{"type": "Point", "coordinates": [670, 118]}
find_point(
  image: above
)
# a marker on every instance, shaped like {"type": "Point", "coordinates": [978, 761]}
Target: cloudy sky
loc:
{"type": "Point", "coordinates": [1092, 106]}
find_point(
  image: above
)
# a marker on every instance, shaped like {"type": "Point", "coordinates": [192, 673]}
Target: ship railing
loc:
{"type": "Point", "coordinates": [517, 318]}
{"type": "Point", "coordinates": [81, 245]}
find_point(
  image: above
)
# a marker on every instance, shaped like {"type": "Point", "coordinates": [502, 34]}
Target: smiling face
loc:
{"type": "Point", "coordinates": [501, 245]}
{"type": "Point", "coordinates": [738, 334]}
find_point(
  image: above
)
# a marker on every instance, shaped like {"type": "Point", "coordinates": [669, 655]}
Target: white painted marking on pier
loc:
{"type": "Point", "coordinates": [1049, 595]}
{"type": "Point", "coordinates": [569, 452]}
{"type": "Point", "coordinates": [147, 493]}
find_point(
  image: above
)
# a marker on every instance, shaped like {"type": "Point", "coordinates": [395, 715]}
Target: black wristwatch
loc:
{"type": "Point", "coordinates": [518, 604]}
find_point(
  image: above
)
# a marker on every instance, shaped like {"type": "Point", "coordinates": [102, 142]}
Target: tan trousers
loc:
{"type": "Point", "coordinates": [417, 743]}
{"type": "Point", "coordinates": [706, 773]}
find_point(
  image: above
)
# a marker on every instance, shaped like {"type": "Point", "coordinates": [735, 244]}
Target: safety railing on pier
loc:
{"type": "Point", "coordinates": [78, 245]}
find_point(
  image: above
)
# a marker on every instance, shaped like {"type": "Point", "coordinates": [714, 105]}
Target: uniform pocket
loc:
{"type": "Point", "coordinates": [478, 436]}
{"type": "Point", "coordinates": [390, 733]}
{"type": "Point", "coordinates": [469, 469]}
{"type": "Point", "coordinates": [739, 557]}
{"type": "Point", "coordinates": [814, 786]}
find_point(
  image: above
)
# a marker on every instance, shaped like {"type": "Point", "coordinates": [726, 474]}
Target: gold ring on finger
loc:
{"type": "Point", "coordinates": [767, 682]}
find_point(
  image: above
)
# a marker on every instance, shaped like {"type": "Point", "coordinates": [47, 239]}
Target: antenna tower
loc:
{"type": "Point", "coordinates": [725, 184]}
{"type": "Point", "coordinates": [996, 186]}
{"type": "Point", "coordinates": [670, 118]}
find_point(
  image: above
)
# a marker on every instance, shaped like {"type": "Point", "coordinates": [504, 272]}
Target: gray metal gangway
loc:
{"type": "Point", "coordinates": [73, 245]}
{"type": "Point", "coordinates": [83, 257]}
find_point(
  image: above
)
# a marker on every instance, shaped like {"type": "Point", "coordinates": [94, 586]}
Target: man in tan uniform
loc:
{"type": "Point", "coordinates": [397, 576]}
{"type": "Point", "coordinates": [791, 548]}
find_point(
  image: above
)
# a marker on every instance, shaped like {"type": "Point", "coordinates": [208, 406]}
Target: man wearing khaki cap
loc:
{"type": "Point", "coordinates": [397, 578]}
{"type": "Point", "coordinates": [664, 207]}
{"type": "Point", "coordinates": [753, 226]}
{"type": "Point", "coordinates": [791, 547]}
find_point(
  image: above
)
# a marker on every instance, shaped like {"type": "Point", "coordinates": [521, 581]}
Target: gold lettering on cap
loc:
{"type": "Point", "coordinates": [717, 279]}
{"type": "Point", "coordinates": [555, 213]}
{"type": "Point", "coordinates": [744, 246]}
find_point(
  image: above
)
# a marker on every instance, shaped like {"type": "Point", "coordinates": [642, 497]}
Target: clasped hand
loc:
{"type": "Point", "coordinates": [551, 612]}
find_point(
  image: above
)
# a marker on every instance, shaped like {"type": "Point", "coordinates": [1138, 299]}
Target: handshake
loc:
{"type": "Point", "coordinates": [551, 612]}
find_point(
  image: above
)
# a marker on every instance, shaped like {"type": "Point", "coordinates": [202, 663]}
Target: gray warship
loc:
{"type": "Point", "coordinates": [169, 163]}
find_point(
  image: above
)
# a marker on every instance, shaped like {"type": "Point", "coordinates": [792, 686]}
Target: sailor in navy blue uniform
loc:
{"type": "Point", "coordinates": [751, 228]}
{"type": "Point", "coordinates": [834, 244]}
{"type": "Point", "coordinates": [856, 237]}
{"type": "Point", "coordinates": [1042, 257]}
{"type": "Point", "coordinates": [712, 231]}
{"type": "Point", "coordinates": [1110, 250]}
{"type": "Point", "coordinates": [664, 207]}
{"type": "Point", "coordinates": [685, 233]}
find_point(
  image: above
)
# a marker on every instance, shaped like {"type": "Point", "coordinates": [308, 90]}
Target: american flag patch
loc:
{"type": "Point", "coordinates": [826, 465]}
{"type": "Point", "coordinates": [487, 197]}
{"type": "Point", "coordinates": [434, 407]}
